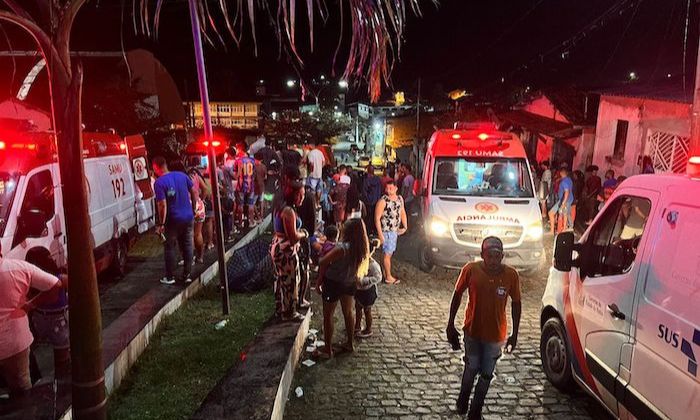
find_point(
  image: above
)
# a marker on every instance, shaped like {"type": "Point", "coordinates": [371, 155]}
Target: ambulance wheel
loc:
{"type": "Point", "coordinates": [119, 257]}
{"type": "Point", "coordinates": [426, 263]}
{"type": "Point", "coordinates": [555, 355]}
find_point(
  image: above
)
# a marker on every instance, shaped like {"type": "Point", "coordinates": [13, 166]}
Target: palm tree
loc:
{"type": "Point", "coordinates": [376, 32]}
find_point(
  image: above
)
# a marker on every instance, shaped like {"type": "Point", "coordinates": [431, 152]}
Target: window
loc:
{"type": "Point", "coordinates": [612, 247]}
{"type": "Point", "coordinates": [621, 138]}
{"type": "Point", "coordinates": [37, 207]}
{"type": "Point", "coordinates": [237, 109]}
{"type": "Point", "coordinates": [482, 177]}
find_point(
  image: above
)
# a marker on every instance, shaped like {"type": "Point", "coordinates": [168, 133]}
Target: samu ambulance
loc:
{"type": "Point", "coordinates": [621, 310]}
{"type": "Point", "coordinates": [477, 183]}
{"type": "Point", "coordinates": [120, 195]}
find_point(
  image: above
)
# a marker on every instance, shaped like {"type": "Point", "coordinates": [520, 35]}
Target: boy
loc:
{"type": "Point", "coordinates": [366, 295]}
{"type": "Point", "coordinates": [322, 245]}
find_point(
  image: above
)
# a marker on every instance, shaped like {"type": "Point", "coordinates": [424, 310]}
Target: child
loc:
{"type": "Point", "coordinates": [366, 295]}
{"type": "Point", "coordinates": [322, 245]}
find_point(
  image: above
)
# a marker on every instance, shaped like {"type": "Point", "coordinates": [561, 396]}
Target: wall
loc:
{"type": "Point", "coordinates": [643, 115]}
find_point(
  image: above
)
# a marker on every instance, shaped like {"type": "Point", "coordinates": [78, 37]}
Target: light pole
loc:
{"type": "Point", "coordinates": [209, 139]}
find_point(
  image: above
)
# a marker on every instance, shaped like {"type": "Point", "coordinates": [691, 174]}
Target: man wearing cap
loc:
{"type": "Point", "coordinates": [489, 282]}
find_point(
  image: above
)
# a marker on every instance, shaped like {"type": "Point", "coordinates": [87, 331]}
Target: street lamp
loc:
{"type": "Point", "coordinates": [343, 84]}
{"type": "Point", "coordinates": [291, 83]}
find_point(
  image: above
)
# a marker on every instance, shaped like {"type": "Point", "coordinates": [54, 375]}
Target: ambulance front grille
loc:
{"type": "Point", "coordinates": [474, 234]}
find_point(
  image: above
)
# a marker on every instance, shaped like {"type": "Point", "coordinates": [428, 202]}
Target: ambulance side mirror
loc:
{"type": "Point", "coordinates": [563, 251]}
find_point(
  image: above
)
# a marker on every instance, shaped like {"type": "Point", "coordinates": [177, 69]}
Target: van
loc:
{"type": "Point", "coordinates": [620, 314]}
{"type": "Point", "coordinates": [477, 183]}
{"type": "Point", "coordinates": [120, 197]}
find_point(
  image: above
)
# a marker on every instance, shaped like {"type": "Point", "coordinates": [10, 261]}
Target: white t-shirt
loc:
{"type": "Point", "coordinates": [16, 277]}
{"type": "Point", "coordinates": [317, 160]}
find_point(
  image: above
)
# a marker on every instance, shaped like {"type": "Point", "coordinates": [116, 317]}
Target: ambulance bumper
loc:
{"type": "Point", "coordinates": [444, 252]}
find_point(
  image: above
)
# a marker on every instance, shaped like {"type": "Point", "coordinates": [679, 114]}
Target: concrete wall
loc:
{"type": "Point", "coordinates": [644, 115]}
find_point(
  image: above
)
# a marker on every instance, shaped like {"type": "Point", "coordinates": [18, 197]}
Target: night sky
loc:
{"type": "Point", "coordinates": [468, 44]}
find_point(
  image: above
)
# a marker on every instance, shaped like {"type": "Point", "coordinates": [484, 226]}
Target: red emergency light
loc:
{"type": "Point", "coordinates": [214, 143]}
{"type": "Point", "coordinates": [2, 145]}
{"type": "Point", "coordinates": [122, 146]}
{"type": "Point", "coordinates": [483, 136]}
{"type": "Point", "coordinates": [693, 167]}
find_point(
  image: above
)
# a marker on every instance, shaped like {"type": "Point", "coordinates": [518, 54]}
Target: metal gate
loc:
{"type": "Point", "coordinates": [669, 152]}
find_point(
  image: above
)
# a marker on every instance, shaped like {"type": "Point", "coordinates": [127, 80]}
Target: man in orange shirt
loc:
{"type": "Point", "coordinates": [489, 282]}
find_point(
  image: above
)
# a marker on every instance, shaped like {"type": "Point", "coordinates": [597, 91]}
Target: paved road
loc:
{"type": "Point", "coordinates": [407, 369]}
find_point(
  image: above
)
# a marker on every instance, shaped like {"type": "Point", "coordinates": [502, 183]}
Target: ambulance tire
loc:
{"type": "Point", "coordinates": [426, 264]}
{"type": "Point", "coordinates": [119, 257]}
{"type": "Point", "coordinates": [555, 353]}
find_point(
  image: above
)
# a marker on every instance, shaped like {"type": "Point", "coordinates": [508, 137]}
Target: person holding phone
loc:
{"type": "Point", "coordinates": [489, 283]}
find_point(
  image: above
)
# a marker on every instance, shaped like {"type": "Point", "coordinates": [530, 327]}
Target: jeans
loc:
{"type": "Point", "coordinates": [15, 371]}
{"type": "Point", "coordinates": [479, 359]}
{"type": "Point", "coordinates": [178, 234]}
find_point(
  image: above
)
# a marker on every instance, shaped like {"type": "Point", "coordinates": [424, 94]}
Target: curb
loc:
{"type": "Point", "coordinates": [117, 370]}
{"type": "Point", "coordinates": [289, 369]}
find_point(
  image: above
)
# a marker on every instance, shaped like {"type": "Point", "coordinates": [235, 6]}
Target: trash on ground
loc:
{"type": "Point", "coordinates": [308, 363]}
{"type": "Point", "coordinates": [299, 392]}
{"type": "Point", "coordinates": [221, 324]}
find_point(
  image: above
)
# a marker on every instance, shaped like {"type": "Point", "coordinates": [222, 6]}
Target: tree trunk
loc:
{"type": "Point", "coordinates": [88, 390]}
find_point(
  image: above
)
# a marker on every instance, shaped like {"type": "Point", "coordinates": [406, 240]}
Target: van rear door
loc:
{"type": "Point", "coordinates": [666, 353]}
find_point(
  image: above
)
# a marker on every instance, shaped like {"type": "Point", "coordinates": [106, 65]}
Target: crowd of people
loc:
{"type": "Point", "coordinates": [571, 200]}
{"type": "Point", "coordinates": [328, 221]}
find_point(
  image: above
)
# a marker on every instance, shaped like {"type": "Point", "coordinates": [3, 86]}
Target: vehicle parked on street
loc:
{"type": "Point", "coordinates": [477, 183]}
{"type": "Point", "coordinates": [620, 313]}
{"type": "Point", "coordinates": [120, 195]}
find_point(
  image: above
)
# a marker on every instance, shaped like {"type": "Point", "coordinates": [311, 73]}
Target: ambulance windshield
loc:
{"type": "Point", "coordinates": [482, 177]}
{"type": "Point", "coordinates": [8, 186]}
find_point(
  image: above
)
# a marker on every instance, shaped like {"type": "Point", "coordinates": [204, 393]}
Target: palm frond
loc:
{"type": "Point", "coordinates": [375, 40]}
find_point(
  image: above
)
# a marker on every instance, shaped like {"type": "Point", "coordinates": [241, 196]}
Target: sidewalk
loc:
{"type": "Point", "coordinates": [127, 306]}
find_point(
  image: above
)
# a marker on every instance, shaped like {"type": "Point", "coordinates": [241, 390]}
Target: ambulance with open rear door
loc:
{"type": "Point", "coordinates": [120, 194]}
{"type": "Point", "coordinates": [477, 183]}
{"type": "Point", "coordinates": [621, 310]}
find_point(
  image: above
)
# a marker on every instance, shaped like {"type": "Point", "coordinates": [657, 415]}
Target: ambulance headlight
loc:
{"type": "Point", "coordinates": [439, 227]}
{"type": "Point", "coordinates": [535, 232]}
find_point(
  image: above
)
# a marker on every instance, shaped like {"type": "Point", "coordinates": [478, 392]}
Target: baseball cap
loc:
{"type": "Point", "coordinates": [490, 243]}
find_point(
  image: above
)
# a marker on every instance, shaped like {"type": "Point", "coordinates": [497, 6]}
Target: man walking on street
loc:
{"type": "Point", "coordinates": [489, 282]}
{"type": "Point", "coordinates": [176, 200]}
{"type": "Point", "coordinates": [315, 161]}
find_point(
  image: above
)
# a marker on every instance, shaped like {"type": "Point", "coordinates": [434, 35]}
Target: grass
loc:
{"type": "Point", "coordinates": [187, 356]}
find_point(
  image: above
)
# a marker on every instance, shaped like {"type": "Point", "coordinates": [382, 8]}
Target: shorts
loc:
{"type": "Point", "coordinates": [51, 327]}
{"type": "Point", "coordinates": [558, 208]}
{"type": "Point", "coordinates": [314, 184]}
{"type": "Point", "coordinates": [245, 198]}
{"type": "Point", "coordinates": [332, 291]}
{"type": "Point", "coordinates": [390, 239]}
{"type": "Point", "coordinates": [366, 298]}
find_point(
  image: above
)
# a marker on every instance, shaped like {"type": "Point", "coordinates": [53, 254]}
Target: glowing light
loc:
{"type": "Point", "coordinates": [343, 84]}
{"type": "Point", "coordinates": [323, 77]}
{"type": "Point", "coordinates": [216, 143]}
{"type": "Point", "coordinates": [456, 136]}
{"type": "Point", "coordinates": [2, 145]}
{"type": "Point", "coordinates": [122, 146]}
{"type": "Point", "coordinates": [633, 75]}
{"type": "Point", "coordinates": [291, 83]}
{"type": "Point", "coordinates": [378, 125]}
{"type": "Point", "coordinates": [438, 227]}
{"type": "Point", "coordinates": [695, 160]}
{"type": "Point", "coordinates": [483, 136]}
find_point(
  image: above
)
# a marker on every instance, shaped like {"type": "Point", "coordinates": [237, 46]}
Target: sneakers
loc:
{"type": "Point", "coordinates": [166, 280]}
{"type": "Point", "coordinates": [188, 280]}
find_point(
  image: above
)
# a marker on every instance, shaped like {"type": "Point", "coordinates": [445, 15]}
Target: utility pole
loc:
{"type": "Point", "coordinates": [418, 110]}
{"type": "Point", "coordinates": [209, 138]}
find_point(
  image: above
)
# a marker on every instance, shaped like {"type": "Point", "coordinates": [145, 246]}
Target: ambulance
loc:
{"type": "Point", "coordinates": [477, 183]}
{"type": "Point", "coordinates": [32, 224]}
{"type": "Point", "coordinates": [621, 310]}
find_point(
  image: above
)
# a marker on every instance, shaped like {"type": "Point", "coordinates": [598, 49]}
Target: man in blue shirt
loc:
{"type": "Point", "coordinates": [176, 200]}
{"type": "Point", "coordinates": [563, 205]}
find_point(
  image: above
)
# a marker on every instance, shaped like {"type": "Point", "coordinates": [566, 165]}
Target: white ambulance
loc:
{"type": "Point", "coordinates": [32, 225]}
{"type": "Point", "coordinates": [621, 311]}
{"type": "Point", "coordinates": [477, 183]}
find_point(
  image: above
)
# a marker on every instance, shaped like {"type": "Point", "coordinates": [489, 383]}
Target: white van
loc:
{"type": "Point", "coordinates": [477, 183]}
{"type": "Point", "coordinates": [120, 196]}
{"type": "Point", "coordinates": [621, 311]}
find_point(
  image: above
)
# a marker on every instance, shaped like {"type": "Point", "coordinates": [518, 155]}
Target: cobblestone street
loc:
{"type": "Point", "coordinates": [408, 370]}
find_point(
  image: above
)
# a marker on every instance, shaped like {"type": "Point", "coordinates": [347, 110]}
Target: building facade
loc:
{"type": "Point", "coordinates": [240, 114]}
